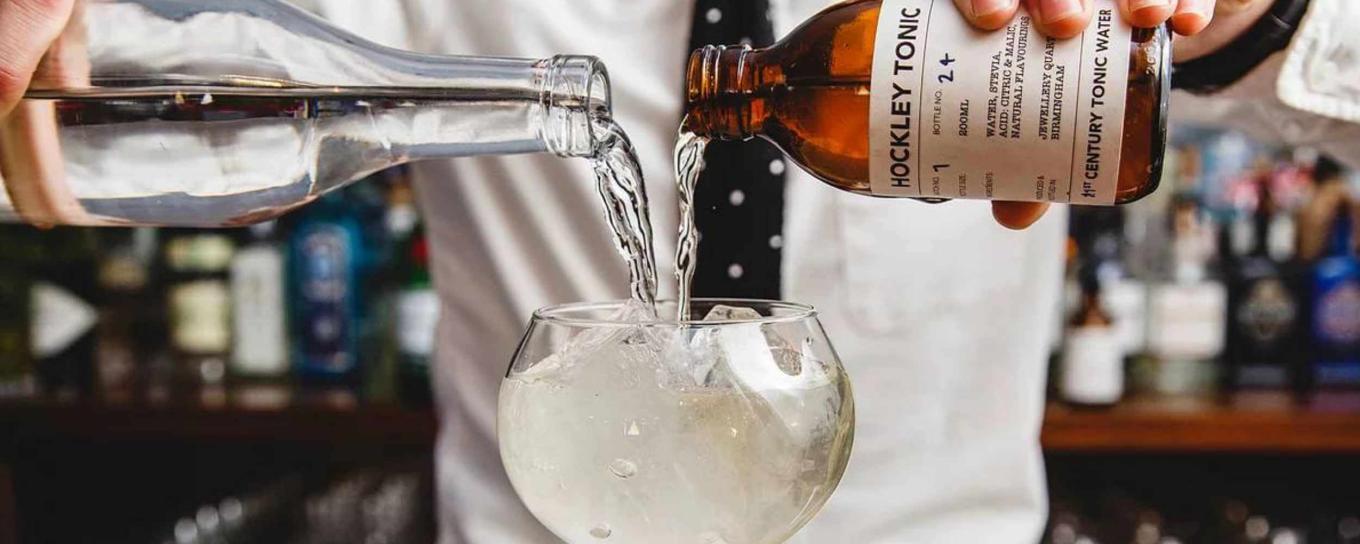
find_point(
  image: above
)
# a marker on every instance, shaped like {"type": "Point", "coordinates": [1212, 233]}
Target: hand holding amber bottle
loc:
{"type": "Point", "coordinates": [900, 98]}
{"type": "Point", "coordinates": [1067, 18]}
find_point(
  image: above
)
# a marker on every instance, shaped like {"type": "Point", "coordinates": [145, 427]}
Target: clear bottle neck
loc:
{"type": "Point", "coordinates": [503, 106]}
{"type": "Point", "coordinates": [574, 95]}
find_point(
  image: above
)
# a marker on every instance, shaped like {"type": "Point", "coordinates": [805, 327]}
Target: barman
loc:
{"type": "Point", "coordinates": [941, 316]}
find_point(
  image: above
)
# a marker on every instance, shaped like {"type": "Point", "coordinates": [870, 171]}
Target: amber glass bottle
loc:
{"type": "Point", "coordinates": [812, 94]}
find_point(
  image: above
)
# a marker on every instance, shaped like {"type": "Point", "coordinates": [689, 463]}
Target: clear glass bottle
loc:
{"type": "Point", "coordinates": [813, 94]}
{"type": "Point", "coordinates": [165, 112]}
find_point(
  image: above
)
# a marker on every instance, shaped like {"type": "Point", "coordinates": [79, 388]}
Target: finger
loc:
{"type": "Point", "coordinates": [27, 27]}
{"type": "Point", "coordinates": [31, 163]}
{"type": "Point", "coordinates": [1192, 16]}
{"type": "Point", "coordinates": [1060, 18]}
{"type": "Point", "coordinates": [66, 64]}
{"type": "Point", "coordinates": [1147, 13]}
{"type": "Point", "coordinates": [1018, 215]}
{"type": "Point", "coordinates": [988, 14]}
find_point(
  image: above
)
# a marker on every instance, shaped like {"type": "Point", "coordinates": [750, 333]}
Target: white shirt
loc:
{"type": "Point", "coordinates": [941, 317]}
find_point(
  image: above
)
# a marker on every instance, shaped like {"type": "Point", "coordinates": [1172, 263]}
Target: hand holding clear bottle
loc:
{"type": "Point", "coordinates": [209, 114]}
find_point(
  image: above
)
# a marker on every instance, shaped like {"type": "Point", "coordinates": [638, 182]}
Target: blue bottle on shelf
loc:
{"type": "Point", "coordinates": [1335, 323]}
{"type": "Point", "coordinates": [327, 259]}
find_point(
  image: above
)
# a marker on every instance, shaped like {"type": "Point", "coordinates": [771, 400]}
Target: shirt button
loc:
{"type": "Point", "coordinates": [777, 167]}
{"type": "Point", "coordinates": [736, 197]}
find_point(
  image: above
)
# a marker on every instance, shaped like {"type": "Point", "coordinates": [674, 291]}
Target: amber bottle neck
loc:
{"type": "Point", "coordinates": [720, 83]}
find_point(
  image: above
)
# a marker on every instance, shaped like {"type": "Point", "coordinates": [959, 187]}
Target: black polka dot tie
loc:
{"type": "Point", "coordinates": [739, 199]}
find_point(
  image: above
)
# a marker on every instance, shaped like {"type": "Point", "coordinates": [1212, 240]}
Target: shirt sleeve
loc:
{"type": "Point", "coordinates": [1306, 95]}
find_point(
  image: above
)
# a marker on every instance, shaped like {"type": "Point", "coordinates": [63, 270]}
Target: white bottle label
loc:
{"type": "Point", "coordinates": [201, 314]}
{"type": "Point", "coordinates": [1092, 369]}
{"type": "Point", "coordinates": [1004, 115]}
{"type": "Point", "coordinates": [1188, 320]}
{"type": "Point", "coordinates": [417, 319]}
{"type": "Point", "coordinates": [260, 343]}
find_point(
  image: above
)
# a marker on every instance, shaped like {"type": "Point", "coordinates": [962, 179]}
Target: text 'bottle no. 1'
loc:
{"type": "Point", "coordinates": [902, 98]}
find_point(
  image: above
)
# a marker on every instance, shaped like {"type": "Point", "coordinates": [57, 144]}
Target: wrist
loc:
{"type": "Point", "coordinates": [1238, 43]}
{"type": "Point", "coordinates": [1232, 18]}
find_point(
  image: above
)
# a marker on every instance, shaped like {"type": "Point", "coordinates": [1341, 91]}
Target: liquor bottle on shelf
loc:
{"type": "Point", "coordinates": [16, 359]}
{"type": "Point", "coordinates": [894, 98]}
{"type": "Point", "coordinates": [1265, 313]}
{"type": "Point", "coordinates": [1092, 365]}
{"type": "Point", "coordinates": [198, 300]}
{"type": "Point", "coordinates": [64, 314]}
{"type": "Point", "coordinates": [259, 316]}
{"type": "Point", "coordinates": [1335, 309]}
{"type": "Point", "coordinates": [417, 317]}
{"type": "Point", "coordinates": [1102, 232]}
{"type": "Point", "coordinates": [1314, 218]}
{"type": "Point", "coordinates": [201, 127]}
{"type": "Point", "coordinates": [409, 310]}
{"type": "Point", "coordinates": [327, 261]}
{"type": "Point", "coordinates": [131, 324]}
{"type": "Point", "coordinates": [1186, 315]}
{"type": "Point", "coordinates": [259, 365]}
{"type": "Point", "coordinates": [17, 375]}
{"type": "Point", "coordinates": [399, 220]}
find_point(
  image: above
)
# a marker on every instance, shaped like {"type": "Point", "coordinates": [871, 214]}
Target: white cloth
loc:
{"type": "Point", "coordinates": [941, 316]}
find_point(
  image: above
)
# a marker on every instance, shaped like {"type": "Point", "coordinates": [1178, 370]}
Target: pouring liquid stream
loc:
{"type": "Point", "coordinates": [624, 195]}
{"type": "Point", "coordinates": [689, 164]}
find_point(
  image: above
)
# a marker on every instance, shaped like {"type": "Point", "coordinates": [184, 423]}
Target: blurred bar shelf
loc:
{"type": "Point", "coordinates": [1264, 423]}
{"type": "Point", "coordinates": [227, 416]}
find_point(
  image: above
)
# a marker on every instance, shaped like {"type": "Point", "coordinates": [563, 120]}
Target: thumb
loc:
{"type": "Point", "coordinates": [988, 14]}
{"type": "Point", "coordinates": [1018, 215]}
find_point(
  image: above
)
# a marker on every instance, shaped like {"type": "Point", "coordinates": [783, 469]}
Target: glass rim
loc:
{"type": "Point", "coordinates": [559, 314]}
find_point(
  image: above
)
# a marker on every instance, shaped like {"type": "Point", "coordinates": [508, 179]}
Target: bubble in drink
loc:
{"type": "Point", "coordinates": [623, 468]}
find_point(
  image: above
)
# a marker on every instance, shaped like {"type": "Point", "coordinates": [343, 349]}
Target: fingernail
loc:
{"type": "Point", "coordinates": [983, 8]}
{"type": "Point", "coordinates": [1136, 5]}
{"type": "Point", "coordinates": [1053, 11]}
{"type": "Point", "coordinates": [1197, 7]}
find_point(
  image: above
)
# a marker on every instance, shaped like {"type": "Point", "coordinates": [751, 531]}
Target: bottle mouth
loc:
{"type": "Point", "coordinates": [717, 77]}
{"type": "Point", "coordinates": [575, 94]}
